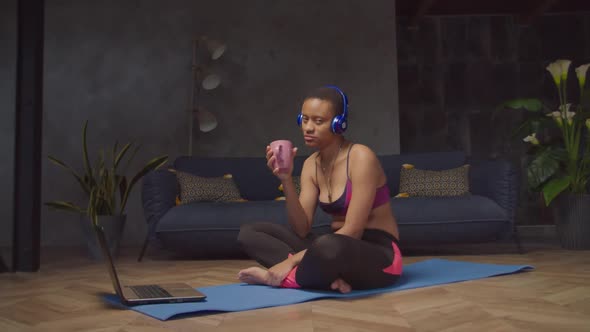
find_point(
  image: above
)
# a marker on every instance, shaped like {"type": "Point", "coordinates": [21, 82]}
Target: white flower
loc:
{"type": "Point", "coordinates": [532, 138]}
{"type": "Point", "coordinates": [564, 113]}
{"type": "Point", "coordinates": [569, 116]}
{"type": "Point", "coordinates": [555, 69]}
{"type": "Point", "coordinates": [565, 107]}
{"type": "Point", "coordinates": [557, 117]}
{"type": "Point", "coordinates": [581, 74]}
{"type": "Point", "coordinates": [565, 65]}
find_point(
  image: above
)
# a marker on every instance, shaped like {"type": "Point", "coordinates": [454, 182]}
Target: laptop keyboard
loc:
{"type": "Point", "coordinates": [150, 291]}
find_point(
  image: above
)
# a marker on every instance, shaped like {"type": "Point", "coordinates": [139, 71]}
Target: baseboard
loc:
{"type": "Point", "coordinates": [537, 232]}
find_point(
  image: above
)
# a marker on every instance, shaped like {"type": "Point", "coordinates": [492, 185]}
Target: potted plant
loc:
{"type": "Point", "coordinates": [106, 190]}
{"type": "Point", "coordinates": [559, 154]}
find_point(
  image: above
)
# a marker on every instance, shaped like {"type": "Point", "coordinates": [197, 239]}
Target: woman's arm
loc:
{"type": "Point", "coordinates": [364, 168]}
{"type": "Point", "coordinates": [300, 209]}
{"type": "Point", "coordinates": [300, 212]}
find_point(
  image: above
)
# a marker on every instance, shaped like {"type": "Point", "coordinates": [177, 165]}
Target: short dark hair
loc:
{"type": "Point", "coordinates": [327, 94]}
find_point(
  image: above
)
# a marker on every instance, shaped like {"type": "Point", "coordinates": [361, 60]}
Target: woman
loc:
{"type": "Point", "coordinates": [347, 181]}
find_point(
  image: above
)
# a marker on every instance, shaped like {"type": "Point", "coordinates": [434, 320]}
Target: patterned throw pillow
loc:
{"type": "Point", "coordinates": [417, 182]}
{"type": "Point", "coordinates": [296, 182]}
{"type": "Point", "coordinates": [195, 188]}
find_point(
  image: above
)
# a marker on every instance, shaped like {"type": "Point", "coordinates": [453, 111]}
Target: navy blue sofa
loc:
{"type": "Point", "coordinates": [210, 229]}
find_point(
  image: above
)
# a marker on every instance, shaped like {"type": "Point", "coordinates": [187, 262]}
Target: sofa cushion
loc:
{"type": "Point", "coordinates": [429, 183]}
{"type": "Point", "coordinates": [195, 188]}
{"type": "Point", "coordinates": [449, 220]}
{"type": "Point", "coordinates": [210, 230]}
{"type": "Point", "coordinates": [255, 181]}
{"type": "Point", "coordinates": [435, 161]}
{"type": "Point", "coordinates": [214, 216]}
{"type": "Point", "coordinates": [458, 209]}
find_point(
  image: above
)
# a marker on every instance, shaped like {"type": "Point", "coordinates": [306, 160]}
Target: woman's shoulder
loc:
{"type": "Point", "coordinates": [360, 153]}
{"type": "Point", "coordinates": [361, 150]}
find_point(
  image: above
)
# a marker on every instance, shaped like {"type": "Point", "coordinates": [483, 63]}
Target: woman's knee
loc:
{"type": "Point", "coordinates": [329, 247]}
{"type": "Point", "coordinates": [248, 232]}
{"type": "Point", "coordinates": [245, 234]}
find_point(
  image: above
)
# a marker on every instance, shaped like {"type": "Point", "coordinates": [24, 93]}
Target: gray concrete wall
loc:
{"type": "Point", "coordinates": [125, 66]}
{"type": "Point", "coordinates": [454, 71]}
{"type": "Point", "coordinates": [7, 110]}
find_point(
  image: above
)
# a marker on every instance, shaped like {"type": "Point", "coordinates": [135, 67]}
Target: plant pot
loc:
{"type": "Point", "coordinates": [572, 220]}
{"type": "Point", "coordinates": [113, 228]}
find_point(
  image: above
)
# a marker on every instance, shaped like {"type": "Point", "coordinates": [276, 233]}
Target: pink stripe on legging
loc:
{"type": "Point", "coordinates": [396, 266]}
{"type": "Point", "coordinates": [289, 281]}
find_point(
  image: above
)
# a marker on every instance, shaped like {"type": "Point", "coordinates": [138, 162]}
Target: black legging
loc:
{"type": "Point", "coordinates": [328, 257]}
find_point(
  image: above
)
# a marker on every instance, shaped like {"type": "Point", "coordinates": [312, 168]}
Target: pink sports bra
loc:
{"type": "Point", "coordinates": [340, 206]}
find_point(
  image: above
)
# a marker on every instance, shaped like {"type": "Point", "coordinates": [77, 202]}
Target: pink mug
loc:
{"type": "Point", "coordinates": [282, 150]}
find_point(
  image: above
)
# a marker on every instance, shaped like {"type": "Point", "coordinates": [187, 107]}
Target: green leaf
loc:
{"type": "Point", "coordinates": [544, 166]}
{"type": "Point", "coordinates": [92, 204]}
{"type": "Point", "coordinates": [130, 159]}
{"type": "Point", "coordinates": [115, 147]}
{"type": "Point", "coordinates": [554, 187]}
{"type": "Point", "coordinates": [62, 205]}
{"type": "Point", "coordinates": [121, 154]}
{"type": "Point", "coordinates": [85, 155]}
{"type": "Point", "coordinates": [81, 181]}
{"type": "Point", "coordinates": [532, 125]}
{"type": "Point", "coordinates": [104, 184]}
{"type": "Point", "coordinates": [151, 165]}
{"type": "Point", "coordinates": [122, 186]}
{"type": "Point", "coordinates": [529, 104]}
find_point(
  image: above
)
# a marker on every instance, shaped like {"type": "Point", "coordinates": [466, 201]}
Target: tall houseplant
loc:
{"type": "Point", "coordinates": [559, 153]}
{"type": "Point", "coordinates": [106, 189]}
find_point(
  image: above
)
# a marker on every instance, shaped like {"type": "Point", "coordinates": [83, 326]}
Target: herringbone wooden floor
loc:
{"type": "Point", "coordinates": [65, 296]}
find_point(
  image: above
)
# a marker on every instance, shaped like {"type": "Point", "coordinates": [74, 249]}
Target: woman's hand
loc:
{"type": "Point", "coordinates": [270, 162]}
{"type": "Point", "coordinates": [279, 272]}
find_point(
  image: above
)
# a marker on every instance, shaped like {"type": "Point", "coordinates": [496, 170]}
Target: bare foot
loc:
{"type": "Point", "coordinates": [254, 275]}
{"type": "Point", "coordinates": [341, 286]}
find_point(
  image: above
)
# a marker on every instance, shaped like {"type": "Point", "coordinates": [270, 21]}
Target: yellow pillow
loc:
{"type": "Point", "coordinates": [296, 182]}
{"type": "Point", "coordinates": [427, 183]}
{"type": "Point", "coordinates": [195, 188]}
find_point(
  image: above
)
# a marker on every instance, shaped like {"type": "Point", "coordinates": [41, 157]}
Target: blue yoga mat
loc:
{"type": "Point", "coordinates": [239, 297]}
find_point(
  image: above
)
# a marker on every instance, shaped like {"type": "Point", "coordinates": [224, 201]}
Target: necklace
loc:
{"type": "Point", "coordinates": [328, 179]}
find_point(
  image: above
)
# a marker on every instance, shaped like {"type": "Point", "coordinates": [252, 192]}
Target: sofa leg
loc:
{"type": "Point", "coordinates": [150, 232]}
{"type": "Point", "coordinates": [516, 237]}
{"type": "Point", "coordinates": [144, 247]}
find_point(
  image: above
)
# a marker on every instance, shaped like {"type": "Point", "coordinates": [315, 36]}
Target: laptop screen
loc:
{"type": "Point", "coordinates": [108, 259]}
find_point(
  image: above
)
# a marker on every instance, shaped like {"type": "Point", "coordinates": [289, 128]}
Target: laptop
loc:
{"type": "Point", "coordinates": [146, 294]}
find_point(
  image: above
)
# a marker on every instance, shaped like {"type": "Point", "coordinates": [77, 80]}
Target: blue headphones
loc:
{"type": "Point", "coordinates": [339, 123]}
